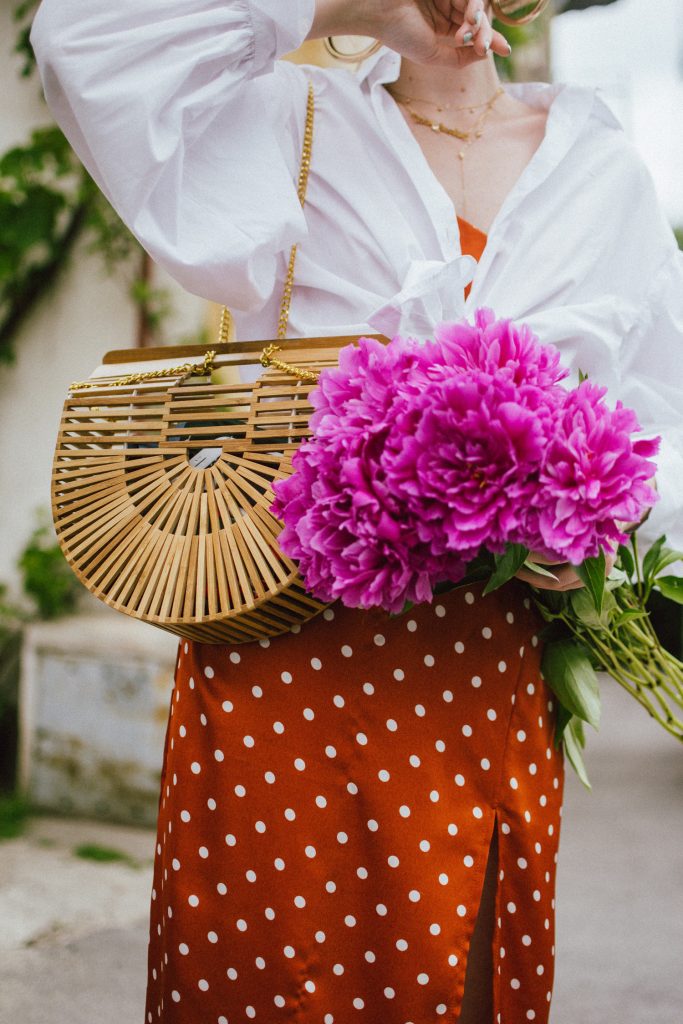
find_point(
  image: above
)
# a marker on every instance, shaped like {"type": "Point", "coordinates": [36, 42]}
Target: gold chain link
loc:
{"type": "Point", "coordinates": [202, 369]}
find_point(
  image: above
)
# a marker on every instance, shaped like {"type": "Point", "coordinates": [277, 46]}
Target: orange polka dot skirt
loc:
{"type": "Point", "coordinates": [328, 800]}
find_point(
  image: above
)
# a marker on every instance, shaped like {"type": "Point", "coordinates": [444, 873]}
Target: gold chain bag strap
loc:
{"type": "Point", "coordinates": [162, 479]}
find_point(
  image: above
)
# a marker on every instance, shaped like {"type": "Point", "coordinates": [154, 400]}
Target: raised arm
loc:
{"type": "Point", "coordinates": [182, 117]}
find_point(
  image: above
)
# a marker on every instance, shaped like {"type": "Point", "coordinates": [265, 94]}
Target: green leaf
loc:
{"type": "Point", "coordinates": [625, 560]}
{"type": "Point", "coordinates": [667, 556]}
{"type": "Point", "coordinates": [507, 565]}
{"type": "Point", "coordinates": [629, 615]}
{"type": "Point", "coordinates": [592, 572]}
{"type": "Point", "coordinates": [539, 569]}
{"type": "Point", "coordinates": [564, 717]}
{"type": "Point", "coordinates": [584, 609]}
{"type": "Point", "coordinates": [651, 559]}
{"type": "Point", "coordinates": [671, 587]}
{"type": "Point", "coordinates": [573, 750]}
{"type": "Point", "coordinates": [568, 670]}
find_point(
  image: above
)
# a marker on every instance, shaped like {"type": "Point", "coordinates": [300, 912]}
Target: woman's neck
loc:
{"type": "Point", "coordinates": [442, 86]}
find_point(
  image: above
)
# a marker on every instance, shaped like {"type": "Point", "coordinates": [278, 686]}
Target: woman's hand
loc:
{"type": "Point", "coordinates": [566, 576]}
{"type": "Point", "coordinates": [445, 32]}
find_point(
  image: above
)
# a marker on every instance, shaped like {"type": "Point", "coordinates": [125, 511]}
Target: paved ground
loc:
{"type": "Point", "coordinates": [73, 932]}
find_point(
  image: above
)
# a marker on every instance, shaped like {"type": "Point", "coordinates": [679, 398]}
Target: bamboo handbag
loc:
{"type": "Point", "coordinates": [162, 479]}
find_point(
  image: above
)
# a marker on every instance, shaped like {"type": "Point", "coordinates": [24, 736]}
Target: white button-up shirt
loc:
{"type": "Point", "coordinates": [184, 116]}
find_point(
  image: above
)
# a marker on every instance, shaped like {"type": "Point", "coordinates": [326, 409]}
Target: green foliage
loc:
{"type": "Point", "coordinates": [14, 812]}
{"type": "Point", "coordinates": [102, 854]}
{"type": "Point", "coordinates": [47, 577]}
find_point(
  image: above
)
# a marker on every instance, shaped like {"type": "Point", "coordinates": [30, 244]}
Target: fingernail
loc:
{"type": "Point", "coordinates": [487, 46]}
{"type": "Point", "coordinates": [509, 51]}
{"type": "Point", "coordinates": [467, 38]}
{"type": "Point", "coordinates": [477, 19]}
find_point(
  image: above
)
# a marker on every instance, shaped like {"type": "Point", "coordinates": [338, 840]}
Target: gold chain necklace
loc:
{"type": "Point", "coordinates": [470, 107]}
{"type": "Point", "coordinates": [467, 138]}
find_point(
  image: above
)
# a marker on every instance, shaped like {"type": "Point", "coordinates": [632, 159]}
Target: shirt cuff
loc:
{"type": "Point", "coordinates": [280, 26]}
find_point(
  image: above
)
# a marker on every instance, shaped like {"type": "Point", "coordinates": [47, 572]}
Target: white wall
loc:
{"type": "Point", "coordinates": [634, 50]}
{"type": "Point", "coordinates": [84, 316]}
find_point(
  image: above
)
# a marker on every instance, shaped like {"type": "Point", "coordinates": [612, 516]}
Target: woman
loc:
{"type": "Point", "coordinates": [360, 820]}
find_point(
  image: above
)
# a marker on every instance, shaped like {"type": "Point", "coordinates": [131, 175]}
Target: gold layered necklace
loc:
{"type": "Point", "coordinates": [465, 137]}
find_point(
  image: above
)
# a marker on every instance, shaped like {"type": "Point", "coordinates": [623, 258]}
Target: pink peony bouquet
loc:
{"type": "Point", "coordinates": [425, 455]}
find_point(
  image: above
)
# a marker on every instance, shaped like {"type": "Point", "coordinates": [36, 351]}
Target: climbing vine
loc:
{"type": "Point", "coordinates": [48, 203]}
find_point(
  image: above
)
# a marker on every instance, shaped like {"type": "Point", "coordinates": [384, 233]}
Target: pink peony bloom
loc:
{"type": "Point", "coordinates": [422, 455]}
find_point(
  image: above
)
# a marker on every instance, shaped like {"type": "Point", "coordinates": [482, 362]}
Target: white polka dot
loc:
{"type": "Point", "coordinates": [469, 597]}
{"type": "Point", "coordinates": [222, 889]}
{"type": "Point", "coordinates": [393, 861]}
{"type": "Point", "coordinates": [342, 837]}
{"type": "Point", "coordinates": [435, 929]}
{"type": "Point", "coordinates": [459, 647]}
{"type": "Point", "coordinates": [320, 936]}
{"type": "Point", "coordinates": [485, 763]}
{"type": "Point", "coordinates": [491, 715]}
{"type": "Point", "coordinates": [212, 937]}
{"type": "Point", "coordinates": [299, 764]}
{"type": "Point", "coordinates": [512, 908]}
{"type": "Point", "coordinates": [185, 816]}
{"type": "Point", "coordinates": [441, 1009]}
{"type": "Point", "coordinates": [328, 614]}
{"type": "Point", "coordinates": [241, 924]}
{"type": "Point", "coordinates": [411, 625]}
{"type": "Point", "coordinates": [369, 689]}
{"type": "Point", "coordinates": [383, 775]}
{"type": "Point", "coordinates": [316, 664]}
{"type": "Point", "coordinates": [195, 767]}
{"type": "Point", "coordinates": [183, 949]}
{"type": "Point", "coordinates": [373, 825]}
{"type": "Point", "coordinates": [434, 796]}
{"type": "Point", "coordinates": [182, 731]}
{"type": "Point", "coordinates": [477, 812]}
{"type": "Point", "coordinates": [235, 658]}
{"type": "Point", "coordinates": [425, 845]}
{"type": "Point", "coordinates": [310, 851]}
{"type": "Point", "coordinates": [439, 611]}
{"type": "Point", "coordinates": [510, 617]}
{"type": "Point", "coordinates": [358, 1003]}
{"type": "Point", "coordinates": [414, 896]}
{"type": "Point", "coordinates": [459, 780]}
{"type": "Point", "coordinates": [279, 864]}
{"type": "Point", "coordinates": [209, 672]}
{"type": "Point", "coordinates": [420, 710]}
{"type": "Point", "coordinates": [203, 984]}
{"type": "Point", "coordinates": [399, 674]}
{"type": "Point", "coordinates": [414, 760]}
{"type": "Point", "coordinates": [361, 738]}
{"type": "Point", "coordinates": [289, 952]}
{"type": "Point", "coordinates": [231, 973]}
{"type": "Point", "coordinates": [278, 727]}
{"type": "Point", "coordinates": [257, 691]}
{"type": "Point", "coordinates": [461, 910]}
{"type": "Point", "coordinates": [248, 741]}
{"type": "Point", "coordinates": [379, 640]}
{"type": "Point", "coordinates": [350, 921]}
{"type": "Point", "coordinates": [476, 682]}
{"type": "Point", "coordinates": [193, 901]}
{"type": "Point", "coordinates": [526, 940]}
{"type": "Point", "coordinates": [531, 689]}
{"type": "Point", "coordinates": [404, 811]}
{"type": "Point", "coordinates": [308, 714]}
{"type": "Point", "coordinates": [487, 632]}
{"type": "Point", "coordinates": [260, 826]}
{"type": "Point", "coordinates": [240, 790]}
{"type": "Point", "coordinates": [452, 829]}
{"type": "Point", "coordinates": [513, 783]}
{"type": "Point", "coordinates": [175, 996]}
{"type": "Point", "coordinates": [402, 944]}
{"type": "Point", "coordinates": [175, 864]}
{"type": "Point", "coordinates": [531, 1015]}
{"type": "Point", "coordinates": [468, 861]}
{"type": "Point", "coordinates": [502, 666]}
{"type": "Point", "coordinates": [381, 909]}
{"type": "Point", "coordinates": [443, 878]}
{"type": "Point", "coordinates": [429, 660]}
{"type": "Point", "coordinates": [447, 696]}
{"type": "Point", "coordinates": [392, 725]}
{"type": "Point", "coordinates": [347, 651]}
{"type": "Point", "coordinates": [505, 828]}
{"type": "Point", "coordinates": [227, 705]}
{"type": "Point", "coordinates": [467, 730]}
{"type": "Point", "coordinates": [522, 863]}
{"type": "Point", "coordinates": [423, 979]}
{"type": "Point", "coordinates": [352, 787]}
{"type": "Point", "coordinates": [203, 852]}
{"type": "Point", "coordinates": [440, 746]}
